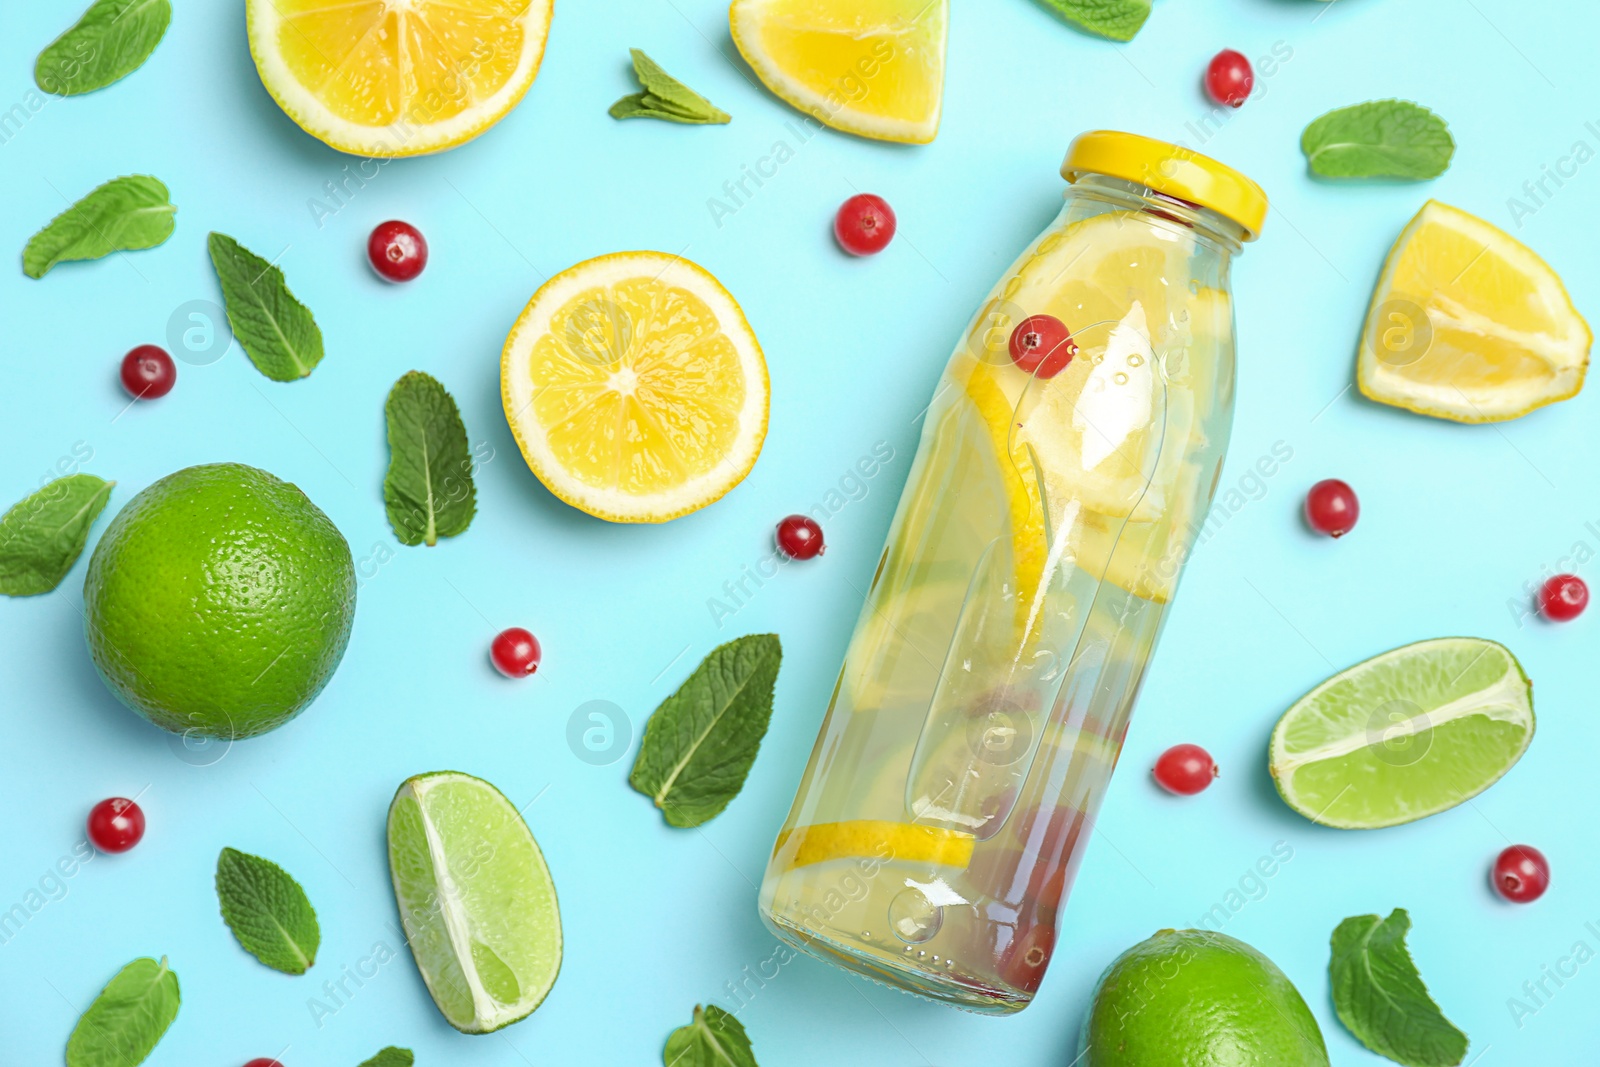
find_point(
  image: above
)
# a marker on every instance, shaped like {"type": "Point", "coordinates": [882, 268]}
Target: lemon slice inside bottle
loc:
{"type": "Point", "coordinates": [873, 838]}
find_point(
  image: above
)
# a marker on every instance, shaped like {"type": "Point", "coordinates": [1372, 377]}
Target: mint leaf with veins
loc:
{"type": "Point", "coordinates": [267, 911]}
{"type": "Point", "coordinates": [700, 743]}
{"type": "Point", "coordinates": [127, 1019]}
{"type": "Point", "coordinates": [1379, 996]}
{"type": "Point", "coordinates": [1380, 139]}
{"type": "Point", "coordinates": [123, 215]}
{"type": "Point", "coordinates": [109, 41]}
{"type": "Point", "coordinates": [275, 330]}
{"type": "Point", "coordinates": [43, 534]}
{"type": "Point", "coordinates": [714, 1038]}
{"type": "Point", "coordinates": [428, 492]}
{"type": "Point", "coordinates": [1116, 19]}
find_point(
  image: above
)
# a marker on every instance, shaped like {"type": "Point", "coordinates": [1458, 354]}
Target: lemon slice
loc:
{"type": "Point", "coordinates": [902, 842]}
{"type": "Point", "coordinates": [397, 77]}
{"type": "Point", "coordinates": [869, 67]}
{"type": "Point", "coordinates": [635, 387]}
{"type": "Point", "coordinates": [1469, 324]}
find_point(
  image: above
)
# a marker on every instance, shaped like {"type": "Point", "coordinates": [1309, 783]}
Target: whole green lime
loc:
{"type": "Point", "coordinates": [1193, 998]}
{"type": "Point", "coordinates": [219, 601]}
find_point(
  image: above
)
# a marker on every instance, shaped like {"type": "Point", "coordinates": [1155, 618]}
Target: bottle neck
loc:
{"type": "Point", "coordinates": [1162, 210]}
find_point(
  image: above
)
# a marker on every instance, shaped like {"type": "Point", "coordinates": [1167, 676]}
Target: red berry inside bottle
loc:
{"type": "Point", "coordinates": [1229, 78]}
{"type": "Point", "coordinates": [864, 225]}
{"type": "Point", "coordinates": [1042, 346]}
{"type": "Point", "coordinates": [1563, 598]}
{"type": "Point", "coordinates": [148, 372]}
{"type": "Point", "coordinates": [1332, 508]}
{"type": "Point", "coordinates": [515, 652]}
{"type": "Point", "coordinates": [397, 250]}
{"type": "Point", "coordinates": [1024, 961]}
{"type": "Point", "coordinates": [1185, 770]}
{"type": "Point", "coordinates": [263, 1062]}
{"type": "Point", "coordinates": [799, 537]}
{"type": "Point", "coordinates": [115, 824]}
{"type": "Point", "coordinates": [1521, 874]}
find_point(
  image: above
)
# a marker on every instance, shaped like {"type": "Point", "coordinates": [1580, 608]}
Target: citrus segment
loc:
{"type": "Point", "coordinates": [869, 67]}
{"type": "Point", "coordinates": [874, 838]}
{"type": "Point", "coordinates": [1404, 735]}
{"type": "Point", "coordinates": [476, 899]}
{"type": "Point", "coordinates": [1469, 324]}
{"type": "Point", "coordinates": [635, 387]}
{"type": "Point", "coordinates": [397, 77]}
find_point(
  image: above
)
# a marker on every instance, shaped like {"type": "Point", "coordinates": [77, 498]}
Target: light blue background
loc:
{"type": "Point", "coordinates": [1455, 521]}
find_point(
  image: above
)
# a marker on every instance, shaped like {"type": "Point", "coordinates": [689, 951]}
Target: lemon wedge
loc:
{"type": "Point", "coordinates": [868, 67]}
{"type": "Point", "coordinates": [1467, 323]}
{"type": "Point", "coordinates": [635, 387]}
{"type": "Point", "coordinates": [393, 78]}
{"type": "Point", "coordinates": [859, 838]}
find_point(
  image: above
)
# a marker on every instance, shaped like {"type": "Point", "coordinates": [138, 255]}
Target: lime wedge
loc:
{"type": "Point", "coordinates": [1404, 735]}
{"type": "Point", "coordinates": [476, 899]}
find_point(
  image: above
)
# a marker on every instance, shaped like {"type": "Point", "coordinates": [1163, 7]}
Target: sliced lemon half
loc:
{"type": "Point", "coordinates": [865, 838]}
{"type": "Point", "coordinates": [397, 77]}
{"type": "Point", "coordinates": [635, 387]}
{"type": "Point", "coordinates": [868, 67]}
{"type": "Point", "coordinates": [1467, 323]}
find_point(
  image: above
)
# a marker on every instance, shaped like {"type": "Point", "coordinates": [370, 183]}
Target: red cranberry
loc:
{"type": "Point", "coordinates": [1332, 508]}
{"type": "Point", "coordinates": [1563, 598]}
{"type": "Point", "coordinates": [800, 537]}
{"type": "Point", "coordinates": [1185, 770]}
{"type": "Point", "coordinates": [397, 250]}
{"type": "Point", "coordinates": [864, 225]}
{"type": "Point", "coordinates": [1229, 78]}
{"type": "Point", "coordinates": [515, 652]}
{"type": "Point", "coordinates": [115, 825]}
{"type": "Point", "coordinates": [1041, 345]}
{"type": "Point", "coordinates": [1521, 874]}
{"type": "Point", "coordinates": [148, 372]}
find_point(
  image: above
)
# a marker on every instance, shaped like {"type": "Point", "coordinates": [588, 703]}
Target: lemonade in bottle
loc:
{"type": "Point", "coordinates": [1066, 464]}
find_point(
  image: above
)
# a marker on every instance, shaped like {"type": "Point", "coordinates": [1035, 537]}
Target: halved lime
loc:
{"type": "Point", "coordinates": [476, 899]}
{"type": "Point", "coordinates": [1404, 735]}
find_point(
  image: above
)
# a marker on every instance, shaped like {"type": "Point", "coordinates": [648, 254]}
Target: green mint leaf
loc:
{"type": "Point", "coordinates": [701, 741]}
{"type": "Point", "coordinates": [714, 1039]}
{"type": "Point", "coordinates": [276, 331]}
{"type": "Point", "coordinates": [43, 535]}
{"type": "Point", "coordinates": [665, 97]}
{"type": "Point", "coordinates": [1380, 139]}
{"type": "Point", "coordinates": [128, 1017]}
{"type": "Point", "coordinates": [1380, 998]}
{"type": "Point", "coordinates": [391, 1057]}
{"type": "Point", "coordinates": [428, 491]}
{"type": "Point", "coordinates": [1116, 19]}
{"type": "Point", "coordinates": [123, 215]}
{"type": "Point", "coordinates": [267, 911]}
{"type": "Point", "coordinates": [110, 42]}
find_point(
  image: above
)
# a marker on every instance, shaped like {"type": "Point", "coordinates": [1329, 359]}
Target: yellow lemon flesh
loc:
{"type": "Point", "coordinates": [1095, 434]}
{"type": "Point", "coordinates": [868, 67]}
{"type": "Point", "coordinates": [1467, 323]}
{"type": "Point", "coordinates": [635, 387]}
{"type": "Point", "coordinates": [903, 842]}
{"type": "Point", "coordinates": [397, 77]}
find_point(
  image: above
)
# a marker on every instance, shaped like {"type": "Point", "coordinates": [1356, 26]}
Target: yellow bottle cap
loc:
{"type": "Point", "coordinates": [1170, 169]}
